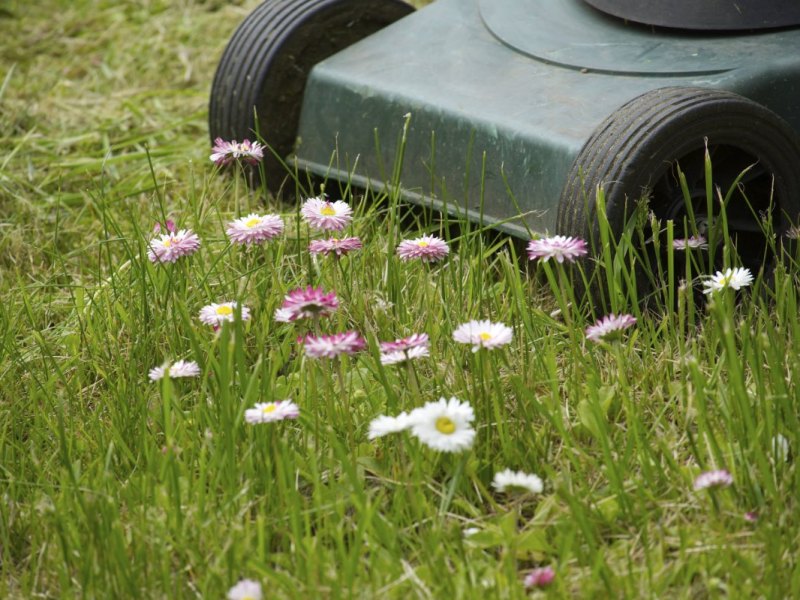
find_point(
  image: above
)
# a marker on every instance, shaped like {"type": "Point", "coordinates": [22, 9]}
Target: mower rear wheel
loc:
{"type": "Point", "coordinates": [634, 153]}
{"type": "Point", "coordinates": [264, 68]}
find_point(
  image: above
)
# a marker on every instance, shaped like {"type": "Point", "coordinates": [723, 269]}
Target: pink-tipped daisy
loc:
{"type": "Point", "coordinates": [308, 303]}
{"type": "Point", "coordinates": [408, 348]}
{"type": "Point", "coordinates": [427, 248]}
{"type": "Point", "coordinates": [609, 327]}
{"type": "Point", "coordinates": [331, 346]}
{"type": "Point", "coordinates": [337, 246]}
{"type": "Point", "coordinates": [321, 213]}
{"type": "Point", "coordinates": [713, 479]}
{"type": "Point", "coordinates": [169, 225]}
{"type": "Point", "coordinates": [559, 247]}
{"type": "Point", "coordinates": [246, 589]}
{"type": "Point", "coordinates": [254, 229]}
{"type": "Point", "coordinates": [266, 412]}
{"type": "Point", "coordinates": [732, 278]}
{"type": "Point", "coordinates": [539, 578]}
{"type": "Point", "coordinates": [695, 242]}
{"type": "Point", "coordinates": [483, 334]}
{"type": "Point", "coordinates": [217, 314]}
{"type": "Point", "coordinates": [169, 247]}
{"type": "Point", "coordinates": [413, 341]}
{"type": "Point", "coordinates": [225, 152]}
{"type": "Point", "coordinates": [180, 368]}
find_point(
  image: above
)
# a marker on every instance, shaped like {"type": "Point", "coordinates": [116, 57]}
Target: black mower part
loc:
{"type": "Point", "coordinates": [705, 15]}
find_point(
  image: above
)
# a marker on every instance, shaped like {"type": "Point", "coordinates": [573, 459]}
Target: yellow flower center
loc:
{"type": "Point", "coordinates": [327, 210]}
{"type": "Point", "coordinates": [445, 425]}
{"type": "Point", "coordinates": [268, 408]}
{"type": "Point", "coordinates": [167, 243]}
{"type": "Point", "coordinates": [485, 336]}
{"type": "Point", "coordinates": [224, 310]}
{"type": "Point", "coordinates": [252, 222]}
{"type": "Point", "coordinates": [725, 281]}
{"type": "Point", "coordinates": [422, 244]}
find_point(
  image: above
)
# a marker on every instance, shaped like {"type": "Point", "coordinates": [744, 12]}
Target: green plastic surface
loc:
{"type": "Point", "coordinates": [524, 82]}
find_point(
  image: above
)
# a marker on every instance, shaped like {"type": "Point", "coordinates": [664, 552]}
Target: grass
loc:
{"type": "Point", "coordinates": [114, 486]}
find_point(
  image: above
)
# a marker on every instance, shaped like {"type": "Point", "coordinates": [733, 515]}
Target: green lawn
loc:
{"type": "Point", "coordinates": [114, 486]}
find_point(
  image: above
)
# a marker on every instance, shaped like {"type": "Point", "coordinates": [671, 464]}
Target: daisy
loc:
{"type": "Point", "coordinates": [266, 412]}
{"type": "Point", "coordinates": [539, 578]}
{"type": "Point", "coordinates": [224, 152]}
{"type": "Point", "coordinates": [320, 213]}
{"type": "Point", "coordinates": [713, 479]}
{"type": "Point", "coordinates": [609, 327]}
{"type": "Point", "coordinates": [217, 314]}
{"type": "Point", "coordinates": [335, 245]}
{"type": "Point", "coordinates": [246, 589]}
{"type": "Point", "coordinates": [401, 356]}
{"type": "Point", "coordinates": [558, 247]}
{"type": "Point", "coordinates": [254, 229]}
{"type": "Point", "coordinates": [309, 303]}
{"type": "Point", "coordinates": [695, 242]}
{"type": "Point", "coordinates": [169, 247]}
{"type": "Point", "coordinates": [470, 531]}
{"type": "Point", "coordinates": [444, 425]}
{"type": "Point", "coordinates": [415, 340]}
{"type": "Point", "coordinates": [427, 248]}
{"type": "Point", "coordinates": [408, 348]}
{"type": "Point", "coordinates": [383, 425]}
{"type": "Point", "coordinates": [180, 368]}
{"type": "Point", "coordinates": [508, 480]}
{"type": "Point", "coordinates": [732, 278]}
{"type": "Point", "coordinates": [483, 334]}
{"type": "Point", "coordinates": [780, 448]}
{"type": "Point", "coordinates": [170, 226]}
{"type": "Point", "coordinates": [331, 346]}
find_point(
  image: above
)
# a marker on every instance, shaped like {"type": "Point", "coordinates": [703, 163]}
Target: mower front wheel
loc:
{"type": "Point", "coordinates": [259, 83]}
{"type": "Point", "coordinates": [635, 153]}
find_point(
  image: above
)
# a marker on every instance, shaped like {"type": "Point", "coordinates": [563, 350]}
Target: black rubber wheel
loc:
{"type": "Point", "coordinates": [633, 153]}
{"type": "Point", "coordinates": [266, 64]}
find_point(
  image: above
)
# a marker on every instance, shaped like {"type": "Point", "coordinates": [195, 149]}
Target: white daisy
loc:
{"type": "Point", "coordinates": [483, 334]}
{"type": "Point", "coordinates": [780, 448]}
{"type": "Point", "coordinates": [384, 425]}
{"type": "Point", "coordinates": [732, 278]}
{"type": "Point", "coordinates": [180, 368]}
{"type": "Point", "coordinates": [246, 589]}
{"type": "Point", "coordinates": [508, 480]}
{"type": "Point", "coordinates": [266, 412]}
{"type": "Point", "coordinates": [470, 531]}
{"type": "Point", "coordinates": [217, 314]}
{"type": "Point", "coordinates": [444, 425]}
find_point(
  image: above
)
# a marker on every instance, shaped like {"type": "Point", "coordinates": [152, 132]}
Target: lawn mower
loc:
{"type": "Point", "coordinates": [514, 112]}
